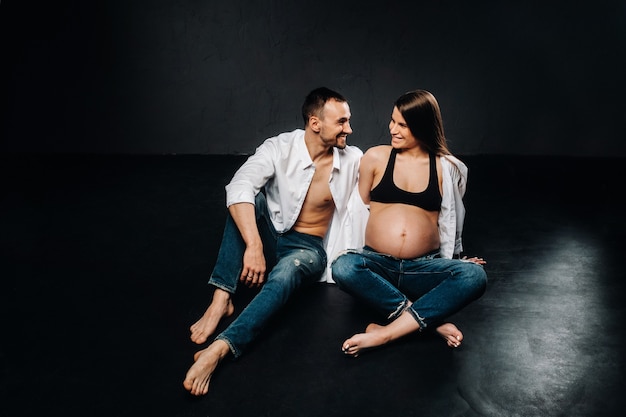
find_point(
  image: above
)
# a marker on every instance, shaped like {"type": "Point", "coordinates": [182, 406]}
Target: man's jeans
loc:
{"type": "Point", "coordinates": [295, 259]}
{"type": "Point", "coordinates": [437, 287]}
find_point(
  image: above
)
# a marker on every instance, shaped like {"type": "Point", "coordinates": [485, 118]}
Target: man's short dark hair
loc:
{"type": "Point", "coordinates": [315, 101]}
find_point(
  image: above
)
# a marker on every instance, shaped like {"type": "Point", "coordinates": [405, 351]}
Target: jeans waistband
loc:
{"type": "Point", "coordinates": [430, 255]}
{"type": "Point", "coordinates": [303, 235]}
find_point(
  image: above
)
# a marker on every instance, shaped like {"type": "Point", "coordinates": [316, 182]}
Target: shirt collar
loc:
{"type": "Point", "coordinates": [336, 160]}
{"type": "Point", "coordinates": [304, 156]}
{"type": "Point", "coordinates": [303, 152]}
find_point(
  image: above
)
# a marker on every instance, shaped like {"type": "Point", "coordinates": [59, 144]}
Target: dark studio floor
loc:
{"type": "Point", "coordinates": [105, 261]}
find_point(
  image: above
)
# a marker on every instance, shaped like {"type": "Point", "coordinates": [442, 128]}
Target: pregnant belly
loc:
{"type": "Point", "coordinates": [401, 230]}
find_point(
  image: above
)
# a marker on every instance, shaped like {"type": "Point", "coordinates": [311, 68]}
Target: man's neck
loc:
{"type": "Point", "coordinates": [317, 150]}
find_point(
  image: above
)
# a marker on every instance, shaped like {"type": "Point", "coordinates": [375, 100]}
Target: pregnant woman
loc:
{"type": "Point", "coordinates": [410, 268]}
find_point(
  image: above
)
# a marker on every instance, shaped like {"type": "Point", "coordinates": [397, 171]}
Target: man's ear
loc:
{"type": "Point", "coordinates": [314, 122]}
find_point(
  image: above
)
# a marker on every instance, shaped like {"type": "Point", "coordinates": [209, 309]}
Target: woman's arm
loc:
{"type": "Point", "coordinates": [367, 170]}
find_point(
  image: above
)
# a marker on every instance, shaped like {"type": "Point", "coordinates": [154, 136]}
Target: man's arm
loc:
{"type": "Point", "coordinates": [253, 271]}
{"type": "Point", "coordinates": [240, 196]}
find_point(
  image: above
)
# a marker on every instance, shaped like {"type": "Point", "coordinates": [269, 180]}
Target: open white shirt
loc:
{"type": "Point", "coordinates": [283, 166]}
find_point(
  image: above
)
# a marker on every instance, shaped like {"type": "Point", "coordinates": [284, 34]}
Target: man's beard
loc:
{"type": "Point", "coordinates": [341, 142]}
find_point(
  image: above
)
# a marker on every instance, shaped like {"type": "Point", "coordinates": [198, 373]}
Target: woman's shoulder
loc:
{"type": "Point", "coordinates": [376, 155]}
{"type": "Point", "coordinates": [378, 151]}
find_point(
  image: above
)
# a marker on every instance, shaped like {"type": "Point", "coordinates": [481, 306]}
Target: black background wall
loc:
{"type": "Point", "coordinates": [216, 77]}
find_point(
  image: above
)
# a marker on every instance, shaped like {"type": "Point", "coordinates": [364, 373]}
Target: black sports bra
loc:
{"type": "Point", "coordinates": [387, 192]}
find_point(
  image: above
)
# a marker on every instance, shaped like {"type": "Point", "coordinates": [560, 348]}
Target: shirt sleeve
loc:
{"type": "Point", "coordinates": [452, 215]}
{"type": "Point", "coordinates": [252, 175]}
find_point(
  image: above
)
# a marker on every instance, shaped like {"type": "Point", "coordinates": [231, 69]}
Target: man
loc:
{"type": "Point", "coordinates": [282, 238]}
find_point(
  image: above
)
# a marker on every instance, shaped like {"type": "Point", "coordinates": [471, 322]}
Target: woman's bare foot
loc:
{"type": "Point", "coordinates": [376, 335]}
{"type": "Point", "coordinates": [206, 360]}
{"type": "Point", "coordinates": [373, 337]}
{"type": "Point", "coordinates": [451, 334]}
{"type": "Point", "coordinates": [221, 306]}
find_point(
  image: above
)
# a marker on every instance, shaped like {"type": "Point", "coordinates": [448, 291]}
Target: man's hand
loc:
{"type": "Point", "coordinates": [253, 271]}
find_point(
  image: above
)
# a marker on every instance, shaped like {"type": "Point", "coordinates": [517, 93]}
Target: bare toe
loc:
{"type": "Point", "coordinates": [451, 334]}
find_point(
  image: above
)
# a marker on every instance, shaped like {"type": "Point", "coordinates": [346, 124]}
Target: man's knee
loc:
{"type": "Point", "coordinates": [301, 265]}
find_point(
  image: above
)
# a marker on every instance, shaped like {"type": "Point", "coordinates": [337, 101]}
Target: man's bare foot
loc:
{"type": "Point", "coordinates": [451, 334]}
{"type": "Point", "coordinates": [206, 360]}
{"type": "Point", "coordinates": [221, 306]}
{"type": "Point", "coordinates": [374, 336]}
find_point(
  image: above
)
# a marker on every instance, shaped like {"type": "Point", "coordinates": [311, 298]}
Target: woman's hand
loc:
{"type": "Point", "coordinates": [474, 259]}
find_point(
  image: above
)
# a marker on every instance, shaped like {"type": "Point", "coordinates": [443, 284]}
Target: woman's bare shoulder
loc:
{"type": "Point", "coordinates": [378, 151]}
